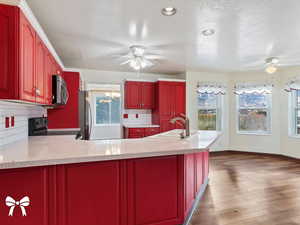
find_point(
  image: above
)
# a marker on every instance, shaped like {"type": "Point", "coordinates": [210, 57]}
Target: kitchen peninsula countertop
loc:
{"type": "Point", "coordinates": [53, 150]}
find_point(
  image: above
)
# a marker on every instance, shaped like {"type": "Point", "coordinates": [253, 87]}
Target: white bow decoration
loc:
{"type": "Point", "coordinates": [10, 202]}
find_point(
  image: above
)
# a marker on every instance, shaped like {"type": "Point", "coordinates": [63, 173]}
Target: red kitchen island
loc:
{"type": "Point", "coordinates": [55, 180]}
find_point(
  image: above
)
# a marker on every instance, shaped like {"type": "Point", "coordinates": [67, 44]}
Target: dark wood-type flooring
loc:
{"type": "Point", "coordinates": [250, 189]}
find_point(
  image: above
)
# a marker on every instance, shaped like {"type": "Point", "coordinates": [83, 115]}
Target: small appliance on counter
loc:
{"type": "Point", "coordinates": [37, 126]}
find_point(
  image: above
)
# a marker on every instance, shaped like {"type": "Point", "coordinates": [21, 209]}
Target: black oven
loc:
{"type": "Point", "coordinates": [37, 126]}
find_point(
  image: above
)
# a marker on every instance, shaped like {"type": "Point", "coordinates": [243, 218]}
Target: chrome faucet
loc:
{"type": "Point", "coordinates": [185, 121]}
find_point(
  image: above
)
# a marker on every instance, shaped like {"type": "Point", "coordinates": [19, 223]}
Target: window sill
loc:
{"type": "Point", "coordinates": [255, 134]}
{"type": "Point", "coordinates": [294, 136]}
{"type": "Point", "coordinates": [108, 125]}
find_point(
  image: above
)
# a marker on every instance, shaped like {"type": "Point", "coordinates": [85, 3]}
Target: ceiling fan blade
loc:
{"type": "Point", "coordinates": [152, 56]}
{"type": "Point", "coordinates": [126, 62]}
{"type": "Point", "coordinates": [148, 62]}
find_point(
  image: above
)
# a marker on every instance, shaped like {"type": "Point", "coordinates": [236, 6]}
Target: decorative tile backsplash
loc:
{"type": "Point", "coordinates": [137, 116]}
{"type": "Point", "coordinates": [14, 120]}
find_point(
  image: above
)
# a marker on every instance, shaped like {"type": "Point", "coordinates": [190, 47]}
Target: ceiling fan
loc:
{"type": "Point", "coordinates": [138, 59]}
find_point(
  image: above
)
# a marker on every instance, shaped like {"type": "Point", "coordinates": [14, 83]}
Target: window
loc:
{"type": "Point", "coordinates": [254, 113]}
{"type": "Point", "coordinates": [209, 111]}
{"type": "Point", "coordinates": [108, 105]}
{"type": "Point", "coordinates": [295, 112]}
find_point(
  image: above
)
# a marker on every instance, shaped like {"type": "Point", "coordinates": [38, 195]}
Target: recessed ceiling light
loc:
{"type": "Point", "coordinates": [169, 11]}
{"type": "Point", "coordinates": [208, 32]}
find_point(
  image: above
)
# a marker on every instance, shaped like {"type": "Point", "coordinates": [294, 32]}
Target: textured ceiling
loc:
{"type": "Point", "coordinates": [91, 33]}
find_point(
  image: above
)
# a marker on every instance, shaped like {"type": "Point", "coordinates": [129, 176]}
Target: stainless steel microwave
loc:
{"type": "Point", "coordinates": [60, 93]}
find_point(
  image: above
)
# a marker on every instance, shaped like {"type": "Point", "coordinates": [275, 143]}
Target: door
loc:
{"type": "Point", "coordinates": [49, 72]}
{"type": "Point", "coordinates": [180, 98]}
{"type": "Point", "coordinates": [29, 186]}
{"type": "Point", "coordinates": [40, 72]}
{"type": "Point", "coordinates": [90, 194]}
{"type": "Point", "coordinates": [27, 60]}
{"type": "Point", "coordinates": [166, 99]}
{"type": "Point", "coordinates": [199, 166]}
{"type": "Point", "coordinates": [8, 52]}
{"type": "Point", "coordinates": [132, 95]}
{"type": "Point", "coordinates": [154, 198]}
{"type": "Point", "coordinates": [105, 102]}
{"type": "Point", "coordinates": [189, 181]}
{"type": "Point", "coordinates": [147, 95]}
{"type": "Point", "coordinates": [179, 103]}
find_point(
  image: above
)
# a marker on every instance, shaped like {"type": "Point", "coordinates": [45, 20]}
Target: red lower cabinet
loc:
{"type": "Point", "coordinates": [90, 194]}
{"type": "Point", "coordinates": [199, 168]}
{"type": "Point", "coordinates": [189, 182]}
{"type": "Point", "coordinates": [205, 165]}
{"type": "Point", "coordinates": [15, 185]}
{"type": "Point", "coordinates": [143, 191]}
{"type": "Point", "coordinates": [154, 198]}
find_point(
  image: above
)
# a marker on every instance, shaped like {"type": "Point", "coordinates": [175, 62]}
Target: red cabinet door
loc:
{"type": "Point", "coordinates": [8, 52]}
{"type": "Point", "coordinates": [27, 60]}
{"type": "Point", "coordinates": [48, 76]}
{"type": "Point", "coordinates": [136, 132]}
{"type": "Point", "coordinates": [132, 95]}
{"type": "Point", "coordinates": [165, 99]}
{"type": "Point", "coordinates": [152, 198]}
{"type": "Point", "coordinates": [90, 194]}
{"type": "Point", "coordinates": [147, 95]}
{"type": "Point", "coordinates": [180, 98]}
{"type": "Point", "coordinates": [199, 166]}
{"type": "Point", "coordinates": [40, 72]}
{"type": "Point", "coordinates": [19, 183]}
{"type": "Point", "coordinates": [151, 131]}
{"type": "Point", "coordinates": [205, 165]}
{"type": "Point", "coordinates": [189, 181]}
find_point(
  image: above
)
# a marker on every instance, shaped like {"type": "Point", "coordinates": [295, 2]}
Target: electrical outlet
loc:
{"type": "Point", "coordinates": [12, 121]}
{"type": "Point", "coordinates": [6, 122]}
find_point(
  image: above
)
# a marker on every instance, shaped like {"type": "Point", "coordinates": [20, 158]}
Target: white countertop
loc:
{"type": "Point", "coordinates": [140, 125]}
{"type": "Point", "coordinates": [53, 150]}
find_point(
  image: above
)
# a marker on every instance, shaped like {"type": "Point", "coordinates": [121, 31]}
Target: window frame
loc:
{"type": "Point", "coordinates": [269, 117]}
{"type": "Point", "coordinates": [95, 109]}
{"type": "Point", "coordinates": [219, 111]}
{"type": "Point", "coordinates": [292, 114]}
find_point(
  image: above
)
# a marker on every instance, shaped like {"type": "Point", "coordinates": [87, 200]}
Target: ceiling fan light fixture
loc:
{"type": "Point", "coordinates": [270, 69]}
{"type": "Point", "coordinates": [169, 11]}
{"type": "Point", "coordinates": [271, 65]}
{"type": "Point", "coordinates": [272, 60]}
{"type": "Point", "coordinates": [137, 50]}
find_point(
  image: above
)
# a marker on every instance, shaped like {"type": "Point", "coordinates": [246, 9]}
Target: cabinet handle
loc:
{"type": "Point", "coordinates": [38, 92]}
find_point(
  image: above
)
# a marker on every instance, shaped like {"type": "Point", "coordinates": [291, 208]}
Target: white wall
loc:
{"type": "Point", "coordinates": [248, 142]}
{"type": "Point", "coordinates": [113, 77]}
{"type": "Point", "coordinates": [192, 79]}
{"type": "Point", "coordinates": [21, 112]}
{"type": "Point", "coordinates": [290, 146]}
{"type": "Point", "coordinates": [279, 141]}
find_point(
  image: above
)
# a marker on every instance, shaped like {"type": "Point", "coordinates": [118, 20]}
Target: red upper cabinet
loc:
{"type": "Point", "coordinates": [132, 97]}
{"type": "Point", "coordinates": [147, 95]}
{"type": "Point", "coordinates": [26, 65]}
{"type": "Point", "coordinates": [8, 51]}
{"type": "Point", "coordinates": [171, 103]}
{"type": "Point", "coordinates": [27, 60]}
{"type": "Point", "coordinates": [40, 72]}
{"type": "Point", "coordinates": [139, 95]}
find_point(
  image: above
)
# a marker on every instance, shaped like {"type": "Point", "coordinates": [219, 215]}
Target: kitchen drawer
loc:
{"type": "Point", "coordinates": [134, 132]}
{"type": "Point", "coordinates": [151, 131]}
